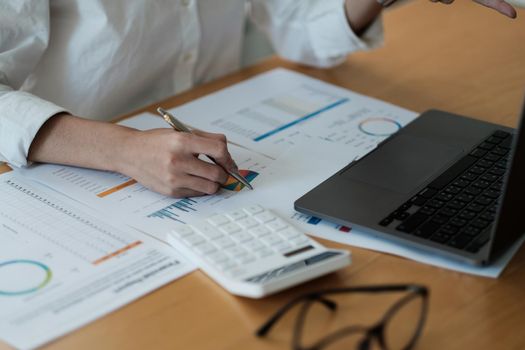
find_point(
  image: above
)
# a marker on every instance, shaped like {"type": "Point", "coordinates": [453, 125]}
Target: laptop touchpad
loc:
{"type": "Point", "coordinates": [404, 163]}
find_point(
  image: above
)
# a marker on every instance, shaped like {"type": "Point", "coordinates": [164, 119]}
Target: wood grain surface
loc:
{"type": "Point", "coordinates": [462, 58]}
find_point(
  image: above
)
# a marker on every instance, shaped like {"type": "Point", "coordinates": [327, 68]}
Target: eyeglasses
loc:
{"type": "Point", "coordinates": [398, 329]}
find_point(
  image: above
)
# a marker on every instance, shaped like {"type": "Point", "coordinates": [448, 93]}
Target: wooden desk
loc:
{"type": "Point", "coordinates": [461, 58]}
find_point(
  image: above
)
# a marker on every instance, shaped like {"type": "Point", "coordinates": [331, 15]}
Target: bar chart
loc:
{"type": "Point", "coordinates": [173, 211]}
{"type": "Point", "coordinates": [77, 233]}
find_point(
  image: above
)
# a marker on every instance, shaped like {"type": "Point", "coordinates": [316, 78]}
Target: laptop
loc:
{"type": "Point", "coordinates": [445, 183]}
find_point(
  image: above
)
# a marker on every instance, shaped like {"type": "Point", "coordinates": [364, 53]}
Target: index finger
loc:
{"type": "Point", "coordinates": [211, 135]}
{"type": "Point", "coordinates": [214, 148]}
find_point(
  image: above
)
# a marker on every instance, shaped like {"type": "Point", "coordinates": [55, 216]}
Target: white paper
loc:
{"type": "Point", "coordinates": [269, 112]}
{"type": "Point", "coordinates": [63, 265]}
{"type": "Point", "coordinates": [121, 197]}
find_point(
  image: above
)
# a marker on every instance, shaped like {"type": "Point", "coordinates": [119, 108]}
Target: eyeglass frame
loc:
{"type": "Point", "coordinates": [376, 331]}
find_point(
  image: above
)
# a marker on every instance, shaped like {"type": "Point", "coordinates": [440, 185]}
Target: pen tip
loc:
{"type": "Point", "coordinates": [161, 110]}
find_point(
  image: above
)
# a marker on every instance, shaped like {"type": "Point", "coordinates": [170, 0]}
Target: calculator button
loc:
{"type": "Point", "coordinates": [264, 217]}
{"type": "Point", "coordinates": [260, 231]}
{"type": "Point", "coordinates": [289, 233]}
{"type": "Point", "coordinates": [254, 245]}
{"type": "Point", "coordinates": [236, 215]}
{"type": "Point", "coordinates": [218, 220]}
{"type": "Point", "coordinates": [241, 237]}
{"type": "Point", "coordinates": [271, 239]}
{"type": "Point", "coordinates": [193, 240]}
{"type": "Point", "coordinates": [246, 259]}
{"type": "Point", "coordinates": [265, 252]}
{"type": "Point", "coordinates": [210, 232]}
{"type": "Point", "coordinates": [283, 247]}
{"type": "Point", "coordinates": [224, 242]}
{"type": "Point", "coordinates": [226, 265]}
{"type": "Point", "coordinates": [230, 228]}
{"type": "Point", "coordinates": [277, 225]}
{"type": "Point", "coordinates": [299, 240]}
{"type": "Point", "coordinates": [236, 251]}
{"type": "Point", "coordinates": [183, 231]}
{"type": "Point", "coordinates": [217, 257]}
{"type": "Point", "coordinates": [247, 223]}
{"type": "Point", "coordinates": [205, 248]}
{"type": "Point", "coordinates": [238, 271]}
{"type": "Point", "coordinates": [254, 209]}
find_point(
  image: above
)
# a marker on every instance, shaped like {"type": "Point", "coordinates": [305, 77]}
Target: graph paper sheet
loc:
{"type": "Point", "coordinates": [62, 266]}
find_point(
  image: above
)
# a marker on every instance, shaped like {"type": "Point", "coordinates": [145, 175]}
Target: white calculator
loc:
{"type": "Point", "coordinates": [252, 252]}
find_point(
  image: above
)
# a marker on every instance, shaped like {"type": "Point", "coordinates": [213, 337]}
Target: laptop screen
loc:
{"type": "Point", "coordinates": [509, 225]}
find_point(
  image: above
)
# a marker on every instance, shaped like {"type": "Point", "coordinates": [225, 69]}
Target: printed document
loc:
{"type": "Point", "coordinates": [63, 265]}
{"type": "Point", "coordinates": [269, 112]}
{"type": "Point", "coordinates": [122, 197]}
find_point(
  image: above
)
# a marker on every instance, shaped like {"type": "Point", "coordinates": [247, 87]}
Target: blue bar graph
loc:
{"type": "Point", "coordinates": [172, 211]}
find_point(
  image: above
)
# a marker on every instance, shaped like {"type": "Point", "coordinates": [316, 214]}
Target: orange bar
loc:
{"type": "Point", "coordinates": [116, 188]}
{"type": "Point", "coordinates": [120, 251]}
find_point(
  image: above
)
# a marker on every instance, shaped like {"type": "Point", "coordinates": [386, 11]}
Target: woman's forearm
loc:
{"type": "Point", "coordinates": [161, 159]}
{"type": "Point", "coordinates": [65, 139]}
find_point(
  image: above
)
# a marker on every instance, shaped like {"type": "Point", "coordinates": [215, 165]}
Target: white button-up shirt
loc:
{"type": "Point", "coordinates": [101, 58]}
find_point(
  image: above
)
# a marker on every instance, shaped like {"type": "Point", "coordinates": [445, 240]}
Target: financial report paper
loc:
{"type": "Point", "coordinates": [122, 197]}
{"type": "Point", "coordinates": [272, 111]}
{"type": "Point", "coordinates": [63, 265]}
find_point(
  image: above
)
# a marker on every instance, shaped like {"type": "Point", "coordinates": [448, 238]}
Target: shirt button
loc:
{"type": "Point", "coordinates": [188, 57]}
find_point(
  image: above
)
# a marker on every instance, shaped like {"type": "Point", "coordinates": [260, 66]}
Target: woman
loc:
{"type": "Point", "coordinates": [101, 58]}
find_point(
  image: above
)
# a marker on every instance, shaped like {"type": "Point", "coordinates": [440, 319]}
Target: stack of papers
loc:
{"type": "Point", "coordinates": [289, 132]}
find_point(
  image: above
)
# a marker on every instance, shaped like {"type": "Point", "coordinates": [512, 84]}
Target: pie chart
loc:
{"type": "Point", "coordinates": [379, 126]}
{"type": "Point", "coordinates": [21, 277]}
{"type": "Point", "coordinates": [233, 185]}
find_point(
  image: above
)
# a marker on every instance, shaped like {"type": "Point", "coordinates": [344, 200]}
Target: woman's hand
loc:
{"type": "Point", "coordinates": [499, 5]}
{"type": "Point", "coordinates": [163, 160]}
{"type": "Point", "coordinates": [167, 161]}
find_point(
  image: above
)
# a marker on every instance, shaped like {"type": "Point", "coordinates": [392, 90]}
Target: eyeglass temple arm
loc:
{"type": "Point", "coordinates": [265, 328]}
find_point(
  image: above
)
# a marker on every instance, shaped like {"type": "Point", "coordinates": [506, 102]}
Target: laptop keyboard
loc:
{"type": "Point", "coordinates": [458, 206]}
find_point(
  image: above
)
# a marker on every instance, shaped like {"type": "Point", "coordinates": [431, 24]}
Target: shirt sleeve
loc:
{"type": "Point", "coordinates": [24, 34]}
{"type": "Point", "coordinates": [312, 32]}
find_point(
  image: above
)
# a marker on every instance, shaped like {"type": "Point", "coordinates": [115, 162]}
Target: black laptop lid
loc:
{"type": "Point", "coordinates": [509, 225]}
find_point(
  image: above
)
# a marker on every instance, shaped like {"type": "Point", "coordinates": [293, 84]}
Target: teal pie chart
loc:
{"type": "Point", "coordinates": [22, 277]}
{"type": "Point", "coordinates": [379, 126]}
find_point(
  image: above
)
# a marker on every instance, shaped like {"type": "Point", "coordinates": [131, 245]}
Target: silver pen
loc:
{"type": "Point", "coordinates": [178, 126]}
